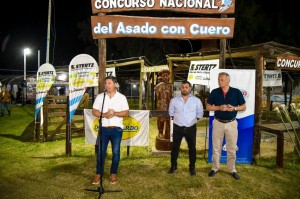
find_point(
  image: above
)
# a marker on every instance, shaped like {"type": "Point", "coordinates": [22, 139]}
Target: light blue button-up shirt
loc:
{"type": "Point", "coordinates": [186, 113]}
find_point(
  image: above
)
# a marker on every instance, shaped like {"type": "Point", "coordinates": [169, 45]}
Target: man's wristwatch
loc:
{"type": "Point", "coordinates": [235, 108]}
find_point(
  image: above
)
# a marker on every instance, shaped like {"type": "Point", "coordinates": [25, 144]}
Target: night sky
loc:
{"type": "Point", "coordinates": [24, 24]}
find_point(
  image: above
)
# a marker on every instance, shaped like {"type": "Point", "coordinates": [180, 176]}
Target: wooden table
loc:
{"type": "Point", "coordinates": [279, 129]}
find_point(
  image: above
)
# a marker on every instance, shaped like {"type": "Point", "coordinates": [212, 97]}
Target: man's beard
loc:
{"type": "Point", "coordinates": [184, 93]}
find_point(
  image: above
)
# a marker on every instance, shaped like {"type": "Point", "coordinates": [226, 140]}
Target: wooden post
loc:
{"type": "Point", "coordinates": [45, 124]}
{"type": "Point", "coordinates": [102, 66]}
{"type": "Point", "coordinates": [268, 105]}
{"type": "Point", "coordinates": [37, 126]}
{"type": "Point", "coordinates": [141, 87]}
{"type": "Point", "coordinates": [222, 61]}
{"type": "Point", "coordinates": [259, 65]}
{"type": "Point", "coordinates": [170, 63]}
{"type": "Point", "coordinates": [68, 131]}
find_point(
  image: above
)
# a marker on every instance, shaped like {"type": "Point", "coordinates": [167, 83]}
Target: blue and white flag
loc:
{"type": "Point", "coordinates": [45, 78]}
{"type": "Point", "coordinates": [83, 73]}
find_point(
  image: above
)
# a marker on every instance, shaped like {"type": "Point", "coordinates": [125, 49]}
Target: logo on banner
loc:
{"type": "Point", "coordinates": [244, 93]}
{"type": "Point", "coordinates": [83, 73]}
{"type": "Point", "coordinates": [199, 72]}
{"type": "Point", "coordinates": [131, 128]}
{"type": "Point", "coordinates": [45, 77]}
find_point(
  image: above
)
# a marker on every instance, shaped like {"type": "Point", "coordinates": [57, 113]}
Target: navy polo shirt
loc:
{"type": "Point", "coordinates": [233, 97]}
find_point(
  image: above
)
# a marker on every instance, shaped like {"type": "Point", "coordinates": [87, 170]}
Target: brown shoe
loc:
{"type": "Point", "coordinates": [113, 179]}
{"type": "Point", "coordinates": [96, 179]}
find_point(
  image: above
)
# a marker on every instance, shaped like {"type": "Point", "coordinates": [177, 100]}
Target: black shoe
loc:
{"type": "Point", "coordinates": [192, 172]}
{"type": "Point", "coordinates": [172, 169]}
{"type": "Point", "coordinates": [212, 173]}
{"type": "Point", "coordinates": [235, 175]}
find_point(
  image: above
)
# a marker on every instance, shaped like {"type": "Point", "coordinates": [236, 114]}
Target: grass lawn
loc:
{"type": "Point", "coordinates": [42, 170]}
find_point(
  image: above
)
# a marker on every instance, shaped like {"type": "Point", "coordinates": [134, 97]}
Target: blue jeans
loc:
{"type": "Point", "coordinates": [114, 135]}
{"type": "Point", "coordinates": [3, 105]}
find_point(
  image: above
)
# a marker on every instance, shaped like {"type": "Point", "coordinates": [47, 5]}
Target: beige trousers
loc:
{"type": "Point", "coordinates": [231, 135]}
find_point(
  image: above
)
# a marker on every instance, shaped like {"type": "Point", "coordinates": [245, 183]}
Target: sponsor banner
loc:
{"type": "Point", "coordinates": [188, 6]}
{"type": "Point", "coordinates": [245, 81]}
{"type": "Point", "coordinates": [45, 77]}
{"type": "Point", "coordinates": [154, 69]}
{"type": "Point", "coordinates": [288, 63]}
{"type": "Point", "coordinates": [135, 131]}
{"type": "Point", "coordinates": [114, 26]}
{"type": "Point", "coordinates": [83, 72]}
{"type": "Point", "coordinates": [110, 72]}
{"type": "Point", "coordinates": [272, 78]}
{"type": "Point", "coordinates": [199, 71]}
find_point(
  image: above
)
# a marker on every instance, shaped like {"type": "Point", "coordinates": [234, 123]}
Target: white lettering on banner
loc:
{"type": "Point", "coordinates": [114, 4]}
{"type": "Point", "coordinates": [146, 29]}
{"type": "Point", "coordinates": [288, 63]}
{"type": "Point", "coordinates": [100, 29]}
{"type": "Point", "coordinates": [197, 29]}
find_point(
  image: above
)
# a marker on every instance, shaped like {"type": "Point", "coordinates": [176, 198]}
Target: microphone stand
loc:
{"type": "Point", "coordinates": [100, 189]}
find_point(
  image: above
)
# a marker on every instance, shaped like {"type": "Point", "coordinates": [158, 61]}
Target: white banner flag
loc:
{"type": "Point", "coordinates": [199, 71]}
{"type": "Point", "coordinates": [83, 72]}
{"type": "Point", "coordinates": [272, 78]}
{"type": "Point", "coordinates": [135, 132]}
{"type": "Point", "coordinates": [45, 77]}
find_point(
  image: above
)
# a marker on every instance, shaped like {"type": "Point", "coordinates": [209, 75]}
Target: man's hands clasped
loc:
{"type": "Point", "coordinates": [227, 107]}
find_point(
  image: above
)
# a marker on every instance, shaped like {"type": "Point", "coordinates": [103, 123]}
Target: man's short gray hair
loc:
{"type": "Point", "coordinates": [224, 73]}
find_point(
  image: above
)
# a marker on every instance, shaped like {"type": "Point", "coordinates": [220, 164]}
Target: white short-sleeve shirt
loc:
{"type": "Point", "coordinates": [118, 103]}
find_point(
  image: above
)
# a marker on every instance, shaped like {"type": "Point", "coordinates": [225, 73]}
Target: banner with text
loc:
{"type": "Point", "coordinates": [153, 69]}
{"type": "Point", "coordinates": [288, 63]}
{"type": "Point", "coordinates": [188, 6]}
{"type": "Point", "coordinates": [272, 78]}
{"type": "Point", "coordinates": [135, 131]}
{"type": "Point", "coordinates": [111, 71]}
{"type": "Point", "coordinates": [45, 77]}
{"type": "Point", "coordinates": [244, 80]}
{"type": "Point", "coordinates": [114, 26]}
{"type": "Point", "coordinates": [83, 72]}
{"type": "Point", "coordinates": [199, 71]}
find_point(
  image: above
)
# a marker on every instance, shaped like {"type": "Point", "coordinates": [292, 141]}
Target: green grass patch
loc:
{"type": "Point", "coordinates": [42, 170]}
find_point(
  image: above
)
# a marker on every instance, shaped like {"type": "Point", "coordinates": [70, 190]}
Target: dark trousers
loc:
{"type": "Point", "coordinates": [189, 133]}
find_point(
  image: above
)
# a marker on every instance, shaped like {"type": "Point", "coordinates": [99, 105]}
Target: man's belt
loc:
{"type": "Point", "coordinates": [110, 127]}
{"type": "Point", "coordinates": [183, 126]}
{"type": "Point", "coordinates": [225, 121]}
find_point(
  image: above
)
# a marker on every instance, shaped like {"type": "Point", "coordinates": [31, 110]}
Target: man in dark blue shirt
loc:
{"type": "Point", "coordinates": [225, 101]}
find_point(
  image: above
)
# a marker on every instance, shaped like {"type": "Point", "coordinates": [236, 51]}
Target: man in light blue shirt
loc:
{"type": "Point", "coordinates": [185, 111]}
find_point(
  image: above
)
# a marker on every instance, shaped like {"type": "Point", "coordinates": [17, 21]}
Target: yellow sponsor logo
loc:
{"type": "Point", "coordinates": [131, 127]}
{"type": "Point", "coordinates": [78, 82]}
{"type": "Point", "coordinates": [191, 77]}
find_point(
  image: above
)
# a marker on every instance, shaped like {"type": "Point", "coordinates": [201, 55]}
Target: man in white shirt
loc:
{"type": "Point", "coordinates": [110, 106]}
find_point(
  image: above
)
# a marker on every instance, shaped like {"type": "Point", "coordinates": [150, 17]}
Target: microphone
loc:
{"type": "Point", "coordinates": [104, 90]}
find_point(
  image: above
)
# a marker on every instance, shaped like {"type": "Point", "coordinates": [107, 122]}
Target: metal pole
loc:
{"type": "Point", "coordinates": [39, 61]}
{"type": "Point", "coordinates": [24, 64]}
{"type": "Point", "coordinates": [24, 86]}
{"type": "Point", "coordinates": [48, 32]}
